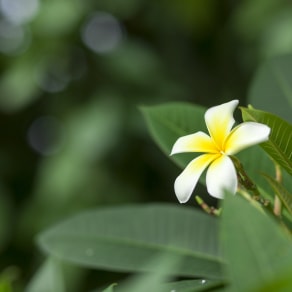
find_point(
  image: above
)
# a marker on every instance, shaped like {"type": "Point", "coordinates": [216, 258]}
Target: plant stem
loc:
{"type": "Point", "coordinates": [207, 208]}
{"type": "Point", "coordinates": [247, 184]}
{"type": "Point", "coordinates": [277, 201]}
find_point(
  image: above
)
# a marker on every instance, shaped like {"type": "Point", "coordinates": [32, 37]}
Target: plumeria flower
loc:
{"type": "Point", "coordinates": [222, 142]}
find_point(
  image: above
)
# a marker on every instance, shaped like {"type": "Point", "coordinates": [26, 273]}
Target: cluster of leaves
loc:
{"type": "Point", "coordinates": [169, 241]}
{"type": "Point", "coordinates": [49, 73]}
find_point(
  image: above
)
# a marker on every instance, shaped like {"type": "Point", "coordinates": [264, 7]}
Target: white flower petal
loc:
{"type": "Point", "coordinates": [187, 180]}
{"type": "Point", "coordinates": [198, 142]}
{"type": "Point", "coordinates": [245, 135]}
{"type": "Point", "coordinates": [219, 120]}
{"type": "Point", "coordinates": [221, 177]}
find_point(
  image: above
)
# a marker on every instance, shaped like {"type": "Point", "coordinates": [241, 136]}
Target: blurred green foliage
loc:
{"type": "Point", "coordinates": [72, 76]}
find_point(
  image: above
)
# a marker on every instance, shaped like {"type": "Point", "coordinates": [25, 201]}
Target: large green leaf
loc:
{"type": "Point", "coordinates": [271, 89]}
{"type": "Point", "coordinates": [163, 264]}
{"type": "Point", "coordinates": [279, 146]}
{"type": "Point", "coordinates": [257, 250]}
{"type": "Point", "coordinates": [125, 238]}
{"type": "Point", "coordinates": [157, 281]}
{"type": "Point", "coordinates": [167, 122]}
{"type": "Point", "coordinates": [193, 285]}
{"type": "Point", "coordinates": [180, 286]}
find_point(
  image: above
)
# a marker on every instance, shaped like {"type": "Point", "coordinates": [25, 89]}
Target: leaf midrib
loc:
{"type": "Point", "coordinates": [136, 243]}
{"type": "Point", "coordinates": [279, 151]}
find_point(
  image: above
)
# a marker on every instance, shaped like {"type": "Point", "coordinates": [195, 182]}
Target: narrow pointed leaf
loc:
{"type": "Point", "coordinates": [126, 238]}
{"type": "Point", "coordinates": [281, 192]}
{"type": "Point", "coordinates": [255, 247]}
{"type": "Point", "coordinates": [279, 146]}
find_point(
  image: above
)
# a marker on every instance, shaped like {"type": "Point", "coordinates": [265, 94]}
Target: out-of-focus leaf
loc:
{"type": "Point", "coordinates": [110, 288]}
{"type": "Point", "coordinates": [48, 279]}
{"type": "Point", "coordinates": [279, 145]}
{"type": "Point", "coordinates": [277, 39]}
{"type": "Point", "coordinates": [250, 18]}
{"type": "Point", "coordinates": [281, 283]}
{"type": "Point", "coordinates": [91, 132]}
{"type": "Point", "coordinates": [134, 63]}
{"type": "Point", "coordinates": [5, 286]}
{"type": "Point", "coordinates": [281, 192]}
{"type": "Point", "coordinates": [7, 279]}
{"type": "Point", "coordinates": [271, 89]}
{"type": "Point", "coordinates": [65, 15]}
{"type": "Point", "coordinates": [255, 247]}
{"type": "Point", "coordinates": [156, 281]}
{"type": "Point", "coordinates": [193, 285]}
{"type": "Point", "coordinates": [163, 266]}
{"type": "Point", "coordinates": [56, 276]}
{"type": "Point", "coordinates": [17, 86]}
{"type": "Point", "coordinates": [168, 122]}
{"type": "Point", "coordinates": [126, 238]}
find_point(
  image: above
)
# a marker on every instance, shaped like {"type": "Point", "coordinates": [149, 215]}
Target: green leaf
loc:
{"type": "Point", "coordinates": [254, 170]}
{"type": "Point", "coordinates": [110, 288]}
{"type": "Point", "coordinates": [279, 146]}
{"type": "Point", "coordinates": [155, 281]}
{"type": "Point", "coordinates": [56, 276]}
{"type": "Point", "coordinates": [49, 278]}
{"type": "Point", "coordinates": [257, 250]}
{"type": "Point", "coordinates": [281, 192]}
{"type": "Point", "coordinates": [271, 89]}
{"type": "Point", "coordinates": [7, 279]}
{"type": "Point", "coordinates": [193, 285]}
{"type": "Point", "coordinates": [126, 238]}
{"type": "Point", "coordinates": [168, 122]}
{"type": "Point", "coordinates": [17, 86]}
{"type": "Point", "coordinates": [163, 264]}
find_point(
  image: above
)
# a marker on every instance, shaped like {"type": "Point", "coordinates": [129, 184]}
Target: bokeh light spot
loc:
{"type": "Point", "coordinates": [19, 11]}
{"type": "Point", "coordinates": [102, 33]}
{"type": "Point", "coordinates": [45, 135]}
{"type": "Point", "coordinates": [14, 39]}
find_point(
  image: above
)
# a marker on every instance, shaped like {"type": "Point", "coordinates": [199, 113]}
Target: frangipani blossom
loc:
{"type": "Point", "coordinates": [216, 147]}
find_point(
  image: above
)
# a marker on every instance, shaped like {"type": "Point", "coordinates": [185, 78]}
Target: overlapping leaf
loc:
{"type": "Point", "coordinates": [258, 252]}
{"type": "Point", "coordinates": [281, 192]}
{"type": "Point", "coordinates": [167, 122]}
{"type": "Point", "coordinates": [126, 238]}
{"type": "Point", "coordinates": [279, 146]}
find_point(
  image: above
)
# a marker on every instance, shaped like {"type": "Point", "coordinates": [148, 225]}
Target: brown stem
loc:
{"type": "Point", "coordinates": [277, 201]}
{"type": "Point", "coordinates": [246, 182]}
